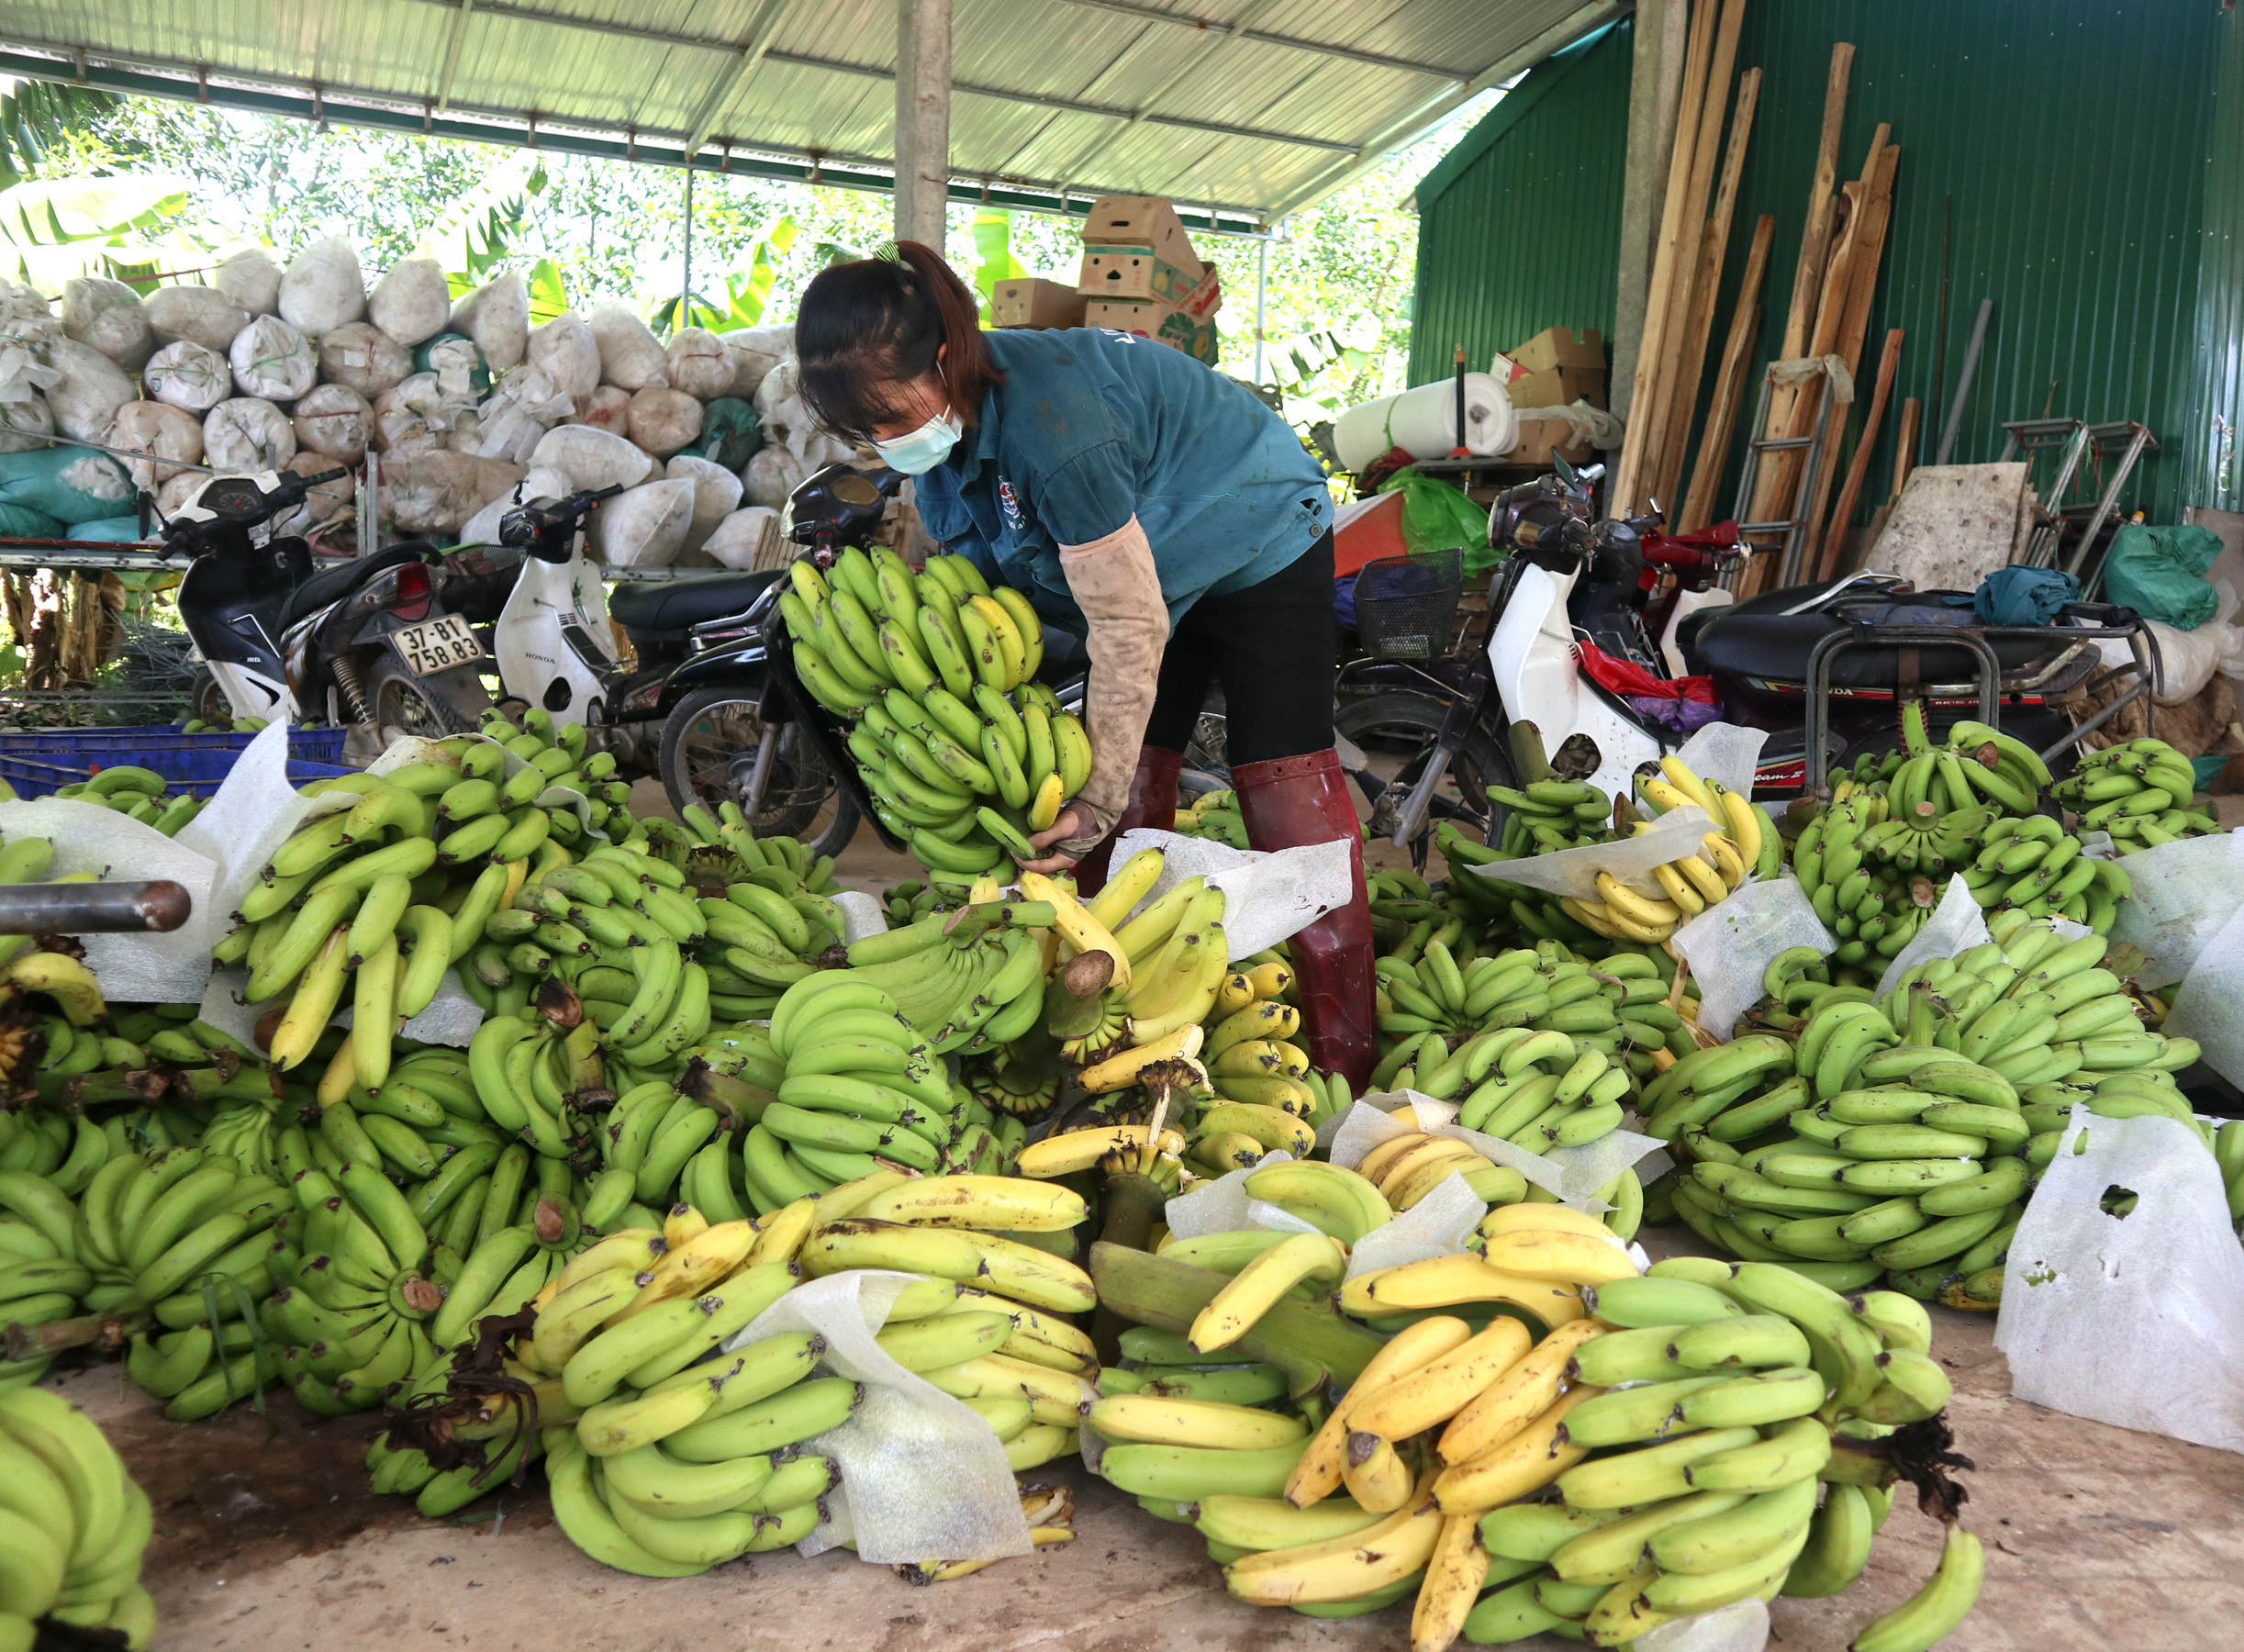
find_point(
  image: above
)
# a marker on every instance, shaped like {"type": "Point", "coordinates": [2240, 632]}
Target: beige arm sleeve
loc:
{"type": "Point", "coordinates": [1115, 584]}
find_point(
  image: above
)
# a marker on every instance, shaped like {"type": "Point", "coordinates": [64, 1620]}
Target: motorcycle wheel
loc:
{"type": "Point", "coordinates": [1397, 732]}
{"type": "Point", "coordinates": [402, 701]}
{"type": "Point", "coordinates": [709, 751]}
{"type": "Point", "coordinates": [206, 701]}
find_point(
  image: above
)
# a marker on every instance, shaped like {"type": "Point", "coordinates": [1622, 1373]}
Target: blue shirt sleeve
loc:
{"type": "Point", "coordinates": [1090, 495]}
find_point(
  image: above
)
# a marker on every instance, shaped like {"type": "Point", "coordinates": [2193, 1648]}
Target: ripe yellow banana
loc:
{"type": "Point", "coordinates": [1451, 1281]}
{"type": "Point", "coordinates": [1254, 1289]}
{"type": "Point", "coordinates": [1690, 785]}
{"type": "Point", "coordinates": [1318, 1474]}
{"type": "Point", "coordinates": [1342, 1569]}
{"type": "Point", "coordinates": [1517, 1397]}
{"type": "Point", "coordinates": [1076, 924]}
{"type": "Point", "coordinates": [1120, 1072]}
{"type": "Point", "coordinates": [1526, 1462]}
{"type": "Point", "coordinates": [1060, 1156]}
{"type": "Point", "coordinates": [1437, 1390]}
{"type": "Point", "coordinates": [1564, 1258]}
{"type": "Point", "coordinates": [1638, 909]}
{"type": "Point", "coordinates": [1679, 890]}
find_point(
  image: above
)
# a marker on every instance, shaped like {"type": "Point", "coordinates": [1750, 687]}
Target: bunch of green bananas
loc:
{"type": "Point", "coordinates": [1907, 1134]}
{"type": "Point", "coordinates": [1730, 1409]}
{"type": "Point", "coordinates": [1509, 909]}
{"type": "Point", "coordinates": [1873, 907]}
{"type": "Point", "coordinates": [141, 793]}
{"type": "Point", "coordinates": [964, 753]}
{"type": "Point", "coordinates": [2140, 792]}
{"type": "Point", "coordinates": [857, 1086]}
{"type": "Point", "coordinates": [1214, 815]}
{"type": "Point", "coordinates": [557, 752]}
{"type": "Point", "coordinates": [73, 1526]}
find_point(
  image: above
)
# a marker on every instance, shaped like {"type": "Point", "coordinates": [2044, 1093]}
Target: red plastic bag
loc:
{"type": "Point", "coordinates": [1627, 677]}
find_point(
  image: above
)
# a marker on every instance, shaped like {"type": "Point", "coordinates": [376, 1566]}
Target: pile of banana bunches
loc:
{"type": "Point", "coordinates": [1896, 1140]}
{"type": "Point", "coordinates": [963, 752]}
{"type": "Point", "coordinates": [1875, 861]}
{"type": "Point", "coordinates": [73, 1526]}
{"type": "Point", "coordinates": [673, 1437]}
{"type": "Point", "coordinates": [1532, 1437]}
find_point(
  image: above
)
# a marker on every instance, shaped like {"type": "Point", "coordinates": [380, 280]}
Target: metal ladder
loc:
{"type": "Point", "coordinates": [2128, 440]}
{"type": "Point", "coordinates": [1796, 528]}
{"type": "Point", "coordinates": [2036, 437]}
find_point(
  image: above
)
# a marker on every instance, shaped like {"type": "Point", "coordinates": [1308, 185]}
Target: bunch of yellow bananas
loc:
{"type": "Point", "coordinates": [1692, 883]}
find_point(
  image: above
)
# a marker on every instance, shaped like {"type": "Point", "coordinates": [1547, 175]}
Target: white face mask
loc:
{"type": "Point", "coordinates": [920, 451]}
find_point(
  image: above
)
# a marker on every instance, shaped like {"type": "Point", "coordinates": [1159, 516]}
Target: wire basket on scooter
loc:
{"type": "Point", "coordinates": [1406, 607]}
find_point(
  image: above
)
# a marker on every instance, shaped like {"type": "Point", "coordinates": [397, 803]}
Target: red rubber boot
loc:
{"type": "Point", "coordinates": [1289, 802]}
{"type": "Point", "coordinates": [1152, 802]}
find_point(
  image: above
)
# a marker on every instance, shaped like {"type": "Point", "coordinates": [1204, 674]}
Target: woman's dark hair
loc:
{"type": "Point", "coordinates": [868, 329]}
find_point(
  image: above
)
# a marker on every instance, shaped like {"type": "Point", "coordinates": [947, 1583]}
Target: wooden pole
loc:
{"type": "Point", "coordinates": [1650, 350]}
{"type": "Point", "coordinates": [1835, 535]}
{"type": "Point", "coordinates": [1904, 450]}
{"type": "Point", "coordinates": [1729, 384]}
{"type": "Point", "coordinates": [1807, 276]}
{"type": "Point", "coordinates": [1682, 292]}
{"type": "Point", "coordinates": [1866, 246]}
{"type": "Point", "coordinates": [1668, 475]}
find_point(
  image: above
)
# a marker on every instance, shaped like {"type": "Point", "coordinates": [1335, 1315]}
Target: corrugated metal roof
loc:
{"type": "Point", "coordinates": [1252, 108]}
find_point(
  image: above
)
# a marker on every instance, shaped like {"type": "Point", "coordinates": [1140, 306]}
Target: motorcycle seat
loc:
{"type": "Point", "coordinates": [674, 605]}
{"type": "Point", "coordinates": [1757, 639]}
{"type": "Point", "coordinates": [333, 583]}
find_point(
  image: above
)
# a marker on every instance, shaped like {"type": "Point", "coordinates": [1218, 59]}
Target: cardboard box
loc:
{"type": "Point", "coordinates": [1035, 302]}
{"type": "Point", "coordinates": [1141, 221]}
{"type": "Point", "coordinates": [1141, 272]}
{"type": "Point", "coordinates": [1557, 347]}
{"type": "Point", "coordinates": [1539, 439]}
{"type": "Point", "coordinates": [1557, 386]}
{"type": "Point", "coordinates": [1162, 322]}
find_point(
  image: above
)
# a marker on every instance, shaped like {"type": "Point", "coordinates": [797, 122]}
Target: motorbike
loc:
{"type": "Point", "coordinates": [364, 640]}
{"type": "Point", "coordinates": [1570, 648]}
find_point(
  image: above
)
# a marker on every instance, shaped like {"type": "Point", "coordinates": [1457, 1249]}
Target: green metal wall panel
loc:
{"type": "Point", "coordinates": [2065, 145]}
{"type": "Point", "coordinates": [2211, 474]}
{"type": "Point", "coordinates": [1519, 228]}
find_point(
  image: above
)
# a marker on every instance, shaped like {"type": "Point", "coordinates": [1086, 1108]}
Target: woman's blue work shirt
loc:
{"type": "Point", "coordinates": [1091, 428]}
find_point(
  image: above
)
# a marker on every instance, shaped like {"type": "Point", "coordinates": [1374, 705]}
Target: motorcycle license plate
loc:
{"type": "Point", "coordinates": [437, 646]}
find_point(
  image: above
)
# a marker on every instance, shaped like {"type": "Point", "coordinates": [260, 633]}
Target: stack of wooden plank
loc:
{"type": "Point", "coordinates": [1840, 251]}
{"type": "Point", "coordinates": [1687, 260]}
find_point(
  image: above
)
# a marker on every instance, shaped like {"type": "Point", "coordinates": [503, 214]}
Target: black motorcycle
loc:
{"type": "Point", "coordinates": [364, 640]}
{"type": "Point", "coordinates": [1822, 667]}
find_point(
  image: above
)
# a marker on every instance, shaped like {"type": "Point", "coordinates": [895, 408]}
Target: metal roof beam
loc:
{"type": "Point", "coordinates": [457, 37]}
{"type": "Point", "coordinates": [752, 51]}
{"type": "Point", "coordinates": [663, 37]}
{"type": "Point", "coordinates": [1263, 36]}
{"type": "Point", "coordinates": [1426, 117]}
{"type": "Point", "coordinates": [385, 111]}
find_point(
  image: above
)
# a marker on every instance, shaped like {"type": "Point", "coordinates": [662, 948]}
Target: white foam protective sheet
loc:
{"type": "Point", "coordinates": [1267, 897]}
{"type": "Point", "coordinates": [226, 1008]}
{"type": "Point", "coordinates": [922, 1476]}
{"type": "Point", "coordinates": [1224, 1206]}
{"type": "Point", "coordinates": [253, 812]}
{"type": "Point", "coordinates": [1729, 946]}
{"type": "Point", "coordinates": [1957, 924]}
{"type": "Point", "coordinates": [1574, 871]}
{"type": "Point", "coordinates": [2185, 893]}
{"type": "Point", "coordinates": [2204, 1006]}
{"type": "Point", "coordinates": [1727, 752]}
{"type": "Point", "coordinates": [861, 915]}
{"type": "Point", "coordinates": [2135, 1321]}
{"type": "Point", "coordinates": [1741, 1626]}
{"type": "Point", "coordinates": [90, 837]}
{"type": "Point", "coordinates": [1437, 1225]}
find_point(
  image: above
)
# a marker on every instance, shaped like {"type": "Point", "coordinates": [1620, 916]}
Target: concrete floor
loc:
{"type": "Point", "coordinates": [268, 1540]}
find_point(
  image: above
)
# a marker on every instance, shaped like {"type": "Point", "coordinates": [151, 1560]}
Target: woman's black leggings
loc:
{"type": "Point", "coordinates": [1272, 646]}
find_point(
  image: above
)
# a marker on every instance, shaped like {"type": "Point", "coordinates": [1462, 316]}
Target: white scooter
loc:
{"type": "Point", "coordinates": [555, 647]}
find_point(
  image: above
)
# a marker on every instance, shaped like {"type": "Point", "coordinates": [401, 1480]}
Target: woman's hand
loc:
{"type": "Point", "coordinates": [1073, 822]}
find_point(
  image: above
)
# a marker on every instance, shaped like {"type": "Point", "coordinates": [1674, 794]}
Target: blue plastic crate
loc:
{"type": "Point", "coordinates": [44, 762]}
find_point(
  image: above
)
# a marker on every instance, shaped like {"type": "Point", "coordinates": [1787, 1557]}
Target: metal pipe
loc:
{"type": "Point", "coordinates": [1262, 295]}
{"type": "Point", "coordinates": [1963, 382]}
{"type": "Point", "coordinates": [98, 909]}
